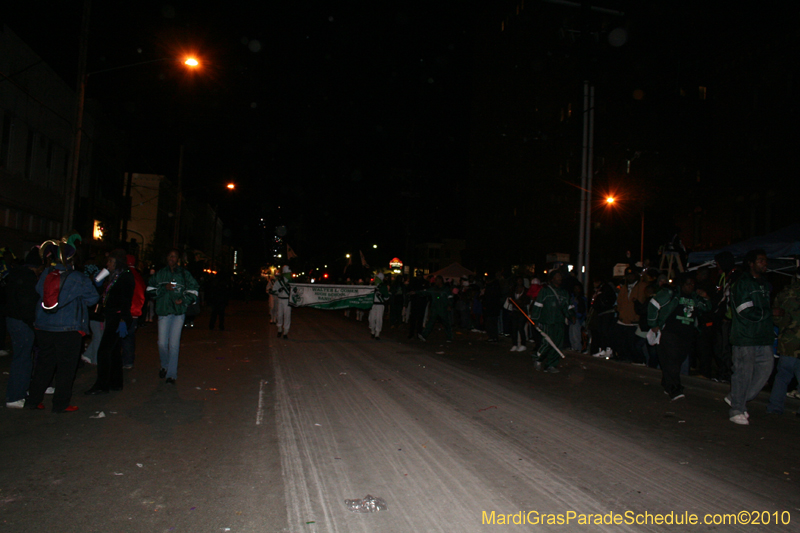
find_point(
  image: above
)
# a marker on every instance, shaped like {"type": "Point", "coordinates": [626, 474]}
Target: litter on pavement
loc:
{"type": "Point", "coordinates": [367, 504]}
{"type": "Point", "coordinates": [100, 414]}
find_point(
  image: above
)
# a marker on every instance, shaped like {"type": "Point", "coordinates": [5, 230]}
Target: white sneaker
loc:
{"type": "Point", "coordinates": [50, 390]}
{"type": "Point", "coordinates": [601, 353]}
{"type": "Point", "coordinates": [609, 353]}
{"type": "Point", "coordinates": [740, 419]}
{"type": "Point", "coordinates": [19, 404]}
{"type": "Point", "coordinates": [513, 348]}
{"type": "Point", "coordinates": [3, 352]}
{"type": "Point", "coordinates": [86, 359]}
{"type": "Point", "coordinates": [522, 348]}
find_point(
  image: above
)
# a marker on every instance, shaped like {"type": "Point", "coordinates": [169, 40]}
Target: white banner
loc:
{"type": "Point", "coordinates": [331, 296]}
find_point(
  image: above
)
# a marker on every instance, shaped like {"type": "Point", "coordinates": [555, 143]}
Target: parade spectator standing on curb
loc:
{"type": "Point", "coordinates": [282, 290]}
{"type": "Point", "coordinates": [218, 294]}
{"type": "Point", "coordinates": [272, 302]}
{"type": "Point", "coordinates": [441, 307]}
{"type": "Point", "coordinates": [631, 292]}
{"type": "Point", "coordinates": [21, 299]}
{"type": "Point", "coordinates": [493, 306]}
{"type": "Point", "coordinates": [752, 336]}
{"type": "Point", "coordinates": [173, 289]}
{"type": "Point", "coordinates": [551, 310]}
{"type": "Point", "coordinates": [379, 299]}
{"type": "Point", "coordinates": [518, 321]}
{"type": "Point", "coordinates": [601, 319]}
{"type": "Point", "coordinates": [137, 306]}
{"type": "Point", "coordinates": [786, 315]}
{"type": "Point", "coordinates": [59, 332]}
{"type": "Point", "coordinates": [117, 296]}
{"type": "Point", "coordinates": [417, 302]}
{"type": "Point", "coordinates": [576, 327]}
{"type": "Point", "coordinates": [6, 264]}
{"type": "Point", "coordinates": [674, 311]}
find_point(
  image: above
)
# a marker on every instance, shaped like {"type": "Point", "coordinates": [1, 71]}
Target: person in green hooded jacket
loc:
{"type": "Point", "coordinates": [173, 288]}
{"type": "Point", "coordinates": [551, 311]}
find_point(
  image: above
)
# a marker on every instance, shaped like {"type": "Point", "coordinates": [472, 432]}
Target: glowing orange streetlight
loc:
{"type": "Point", "coordinates": [191, 62]}
{"type": "Point", "coordinates": [610, 200]}
{"type": "Point", "coordinates": [231, 186]}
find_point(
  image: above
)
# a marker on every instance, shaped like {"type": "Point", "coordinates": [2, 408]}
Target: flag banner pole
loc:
{"type": "Point", "coordinates": [545, 336]}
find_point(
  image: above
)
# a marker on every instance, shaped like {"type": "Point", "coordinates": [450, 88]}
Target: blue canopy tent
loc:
{"type": "Point", "coordinates": [781, 244]}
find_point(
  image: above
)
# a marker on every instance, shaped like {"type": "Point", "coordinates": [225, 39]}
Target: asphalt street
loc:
{"type": "Point", "coordinates": [266, 434]}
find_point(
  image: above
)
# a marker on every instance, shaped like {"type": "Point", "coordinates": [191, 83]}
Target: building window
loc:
{"type": "Point", "coordinates": [5, 142]}
{"type": "Point", "coordinates": [29, 155]}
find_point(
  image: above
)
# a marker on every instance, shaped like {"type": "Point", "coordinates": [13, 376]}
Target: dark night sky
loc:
{"type": "Point", "coordinates": [327, 110]}
{"type": "Point", "coordinates": [358, 118]}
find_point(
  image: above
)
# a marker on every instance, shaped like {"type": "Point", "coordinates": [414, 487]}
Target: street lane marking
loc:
{"type": "Point", "coordinates": [260, 412]}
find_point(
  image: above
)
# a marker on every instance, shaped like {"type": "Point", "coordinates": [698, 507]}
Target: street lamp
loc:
{"type": "Point", "coordinates": [230, 186]}
{"type": "Point", "coordinates": [610, 200]}
{"type": "Point", "coordinates": [83, 77]}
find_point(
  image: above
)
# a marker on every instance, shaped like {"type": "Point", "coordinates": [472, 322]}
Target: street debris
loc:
{"type": "Point", "coordinates": [100, 414]}
{"type": "Point", "coordinates": [487, 408]}
{"type": "Point", "coordinates": [118, 474]}
{"type": "Point", "coordinates": [367, 504]}
{"type": "Point", "coordinates": [140, 465]}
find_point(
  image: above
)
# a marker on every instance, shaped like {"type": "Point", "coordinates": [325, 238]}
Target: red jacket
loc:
{"type": "Point", "coordinates": [137, 302]}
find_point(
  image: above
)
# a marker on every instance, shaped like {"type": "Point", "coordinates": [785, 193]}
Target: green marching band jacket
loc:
{"type": "Point", "coordinates": [667, 301]}
{"type": "Point", "coordinates": [552, 306]}
{"type": "Point", "coordinates": [752, 312]}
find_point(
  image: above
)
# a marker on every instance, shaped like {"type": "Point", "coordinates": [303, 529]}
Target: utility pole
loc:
{"type": "Point", "coordinates": [72, 187]}
{"type": "Point", "coordinates": [176, 235]}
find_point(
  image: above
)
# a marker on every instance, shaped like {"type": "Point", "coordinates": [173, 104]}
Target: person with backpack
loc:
{"type": "Point", "coordinates": [62, 319]}
{"type": "Point", "coordinates": [117, 295]}
{"type": "Point", "coordinates": [173, 289]}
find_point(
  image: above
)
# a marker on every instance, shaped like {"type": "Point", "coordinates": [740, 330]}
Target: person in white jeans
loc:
{"type": "Point", "coordinates": [282, 290]}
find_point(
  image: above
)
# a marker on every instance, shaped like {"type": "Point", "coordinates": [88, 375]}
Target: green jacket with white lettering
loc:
{"type": "Point", "coordinates": [668, 299]}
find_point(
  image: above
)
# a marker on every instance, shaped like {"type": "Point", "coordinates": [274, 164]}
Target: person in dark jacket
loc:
{"type": "Point", "coordinates": [218, 294]}
{"type": "Point", "coordinates": [20, 311]}
{"type": "Point", "coordinates": [493, 299]}
{"type": "Point", "coordinates": [117, 297]}
{"type": "Point", "coordinates": [137, 306]}
{"type": "Point", "coordinates": [418, 302]}
{"type": "Point", "coordinates": [518, 320]}
{"type": "Point", "coordinates": [59, 334]}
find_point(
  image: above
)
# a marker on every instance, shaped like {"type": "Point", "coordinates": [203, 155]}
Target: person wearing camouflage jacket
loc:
{"type": "Point", "coordinates": [786, 316]}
